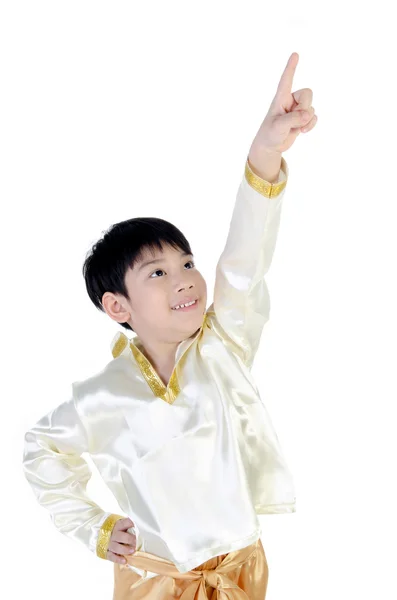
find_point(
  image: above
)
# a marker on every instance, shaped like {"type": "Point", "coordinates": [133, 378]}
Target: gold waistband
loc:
{"type": "Point", "coordinates": [216, 578]}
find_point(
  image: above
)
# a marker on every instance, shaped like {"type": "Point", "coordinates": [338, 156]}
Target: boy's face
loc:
{"type": "Point", "coordinates": [155, 288]}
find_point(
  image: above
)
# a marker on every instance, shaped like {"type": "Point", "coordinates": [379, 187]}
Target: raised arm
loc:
{"type": "Point", "coordinates": [241, 304]}
{"type": "Point", "coordinates": [241, 299]}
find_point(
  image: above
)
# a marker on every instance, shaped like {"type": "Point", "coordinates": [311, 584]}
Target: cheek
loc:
{"type": "Point", "coordinates": [155, 304]}
{"type": "Point", "coordinates": [202, 284]}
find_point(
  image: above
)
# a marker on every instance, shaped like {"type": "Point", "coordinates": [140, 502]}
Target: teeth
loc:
{"type": "Point", "coordinates": [183, 305]}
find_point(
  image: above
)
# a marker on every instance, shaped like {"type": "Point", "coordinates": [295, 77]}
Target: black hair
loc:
{"type": "Point", "coordinates": [120, 248]}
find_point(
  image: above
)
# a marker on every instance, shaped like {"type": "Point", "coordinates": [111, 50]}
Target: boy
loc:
{"type": "Point", "coordinates": [174, 422]}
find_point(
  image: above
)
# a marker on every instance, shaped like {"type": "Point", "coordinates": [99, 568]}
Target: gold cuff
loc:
{"type": "Point", "coordinates": [270, 190]}
{"type": "Point", "coordinates": [105, 534]}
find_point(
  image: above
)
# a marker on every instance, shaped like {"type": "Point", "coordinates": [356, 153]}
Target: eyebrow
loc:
{"type": "Point", "coordinates": [157, 260]}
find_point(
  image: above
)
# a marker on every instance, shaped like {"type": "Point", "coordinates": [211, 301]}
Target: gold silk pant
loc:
{"type": "Point", "coordinates": [238, 575]}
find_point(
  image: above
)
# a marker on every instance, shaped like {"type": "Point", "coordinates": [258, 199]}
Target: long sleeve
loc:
{"type": "Point", "coordinates": [58, 475]}
{"type": "Point", "coordinates": [241, 297]}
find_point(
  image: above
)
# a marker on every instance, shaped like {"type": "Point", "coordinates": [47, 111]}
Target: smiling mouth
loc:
{"type": "Point", "coordinates": [186, 308]}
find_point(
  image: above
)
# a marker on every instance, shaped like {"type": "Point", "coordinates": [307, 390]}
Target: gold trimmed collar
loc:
{"type": "Point", "coordinates": [121, 344]}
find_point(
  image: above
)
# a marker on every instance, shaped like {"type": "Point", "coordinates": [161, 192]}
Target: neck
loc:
{"type": "Point", "coordinates": [161, 356]}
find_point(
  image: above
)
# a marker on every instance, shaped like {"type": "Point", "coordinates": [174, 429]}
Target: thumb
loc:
{"type": "Point", "coordinates": [124, 523]}
{"type": "Point", "coordinates": [293, 119]}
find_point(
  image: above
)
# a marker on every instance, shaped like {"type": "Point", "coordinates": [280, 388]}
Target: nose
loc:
{"type": "Point", "coordinates": [188, 287]}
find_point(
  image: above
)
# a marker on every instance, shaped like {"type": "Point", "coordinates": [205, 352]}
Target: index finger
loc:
{"type": "Point", "coordinates": [287, 77]}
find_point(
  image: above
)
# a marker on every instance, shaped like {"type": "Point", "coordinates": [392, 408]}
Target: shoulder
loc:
{"type": "Point", "coordinates": [102, 381]}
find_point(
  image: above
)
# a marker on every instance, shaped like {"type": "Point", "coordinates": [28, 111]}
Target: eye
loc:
{"type": "Point", "coordinates": [157, 270]}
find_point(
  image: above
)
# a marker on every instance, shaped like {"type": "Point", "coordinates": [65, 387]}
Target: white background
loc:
{"type": "Point", "coordinates": [123, 109]}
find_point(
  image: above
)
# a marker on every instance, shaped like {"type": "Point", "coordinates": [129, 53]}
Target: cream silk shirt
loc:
{"type": "Point", "coordinates": [192, 463]}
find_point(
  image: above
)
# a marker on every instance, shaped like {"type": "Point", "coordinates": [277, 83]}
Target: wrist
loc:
{"type": "Point", "coordinates": [105, 534]}
{"type": "Point", "coordinates": [265, 164]}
